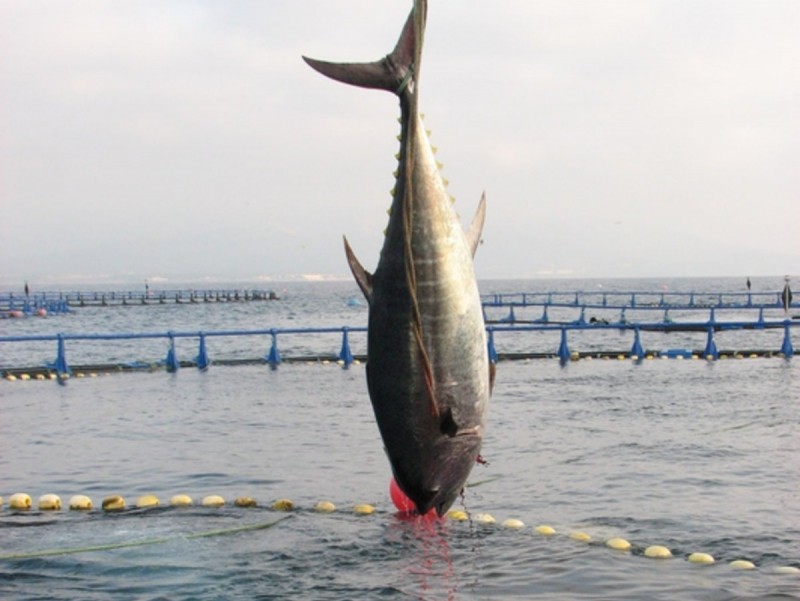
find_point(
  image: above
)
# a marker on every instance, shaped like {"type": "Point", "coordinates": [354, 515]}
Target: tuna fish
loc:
{"type": "Point", "coordinates": [428, 373]}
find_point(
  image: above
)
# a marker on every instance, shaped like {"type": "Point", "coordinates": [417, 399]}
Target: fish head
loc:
{"type": "Point", "coordinates": [441, 475]}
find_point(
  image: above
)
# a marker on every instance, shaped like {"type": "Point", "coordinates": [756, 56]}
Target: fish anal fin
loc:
{"type": "Point", "coordinates": [476, 227]}
{"type": "Point", "coordinates": [362, 276]}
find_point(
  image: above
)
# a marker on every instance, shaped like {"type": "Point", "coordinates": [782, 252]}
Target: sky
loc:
{"type": "Point", "coordinates": [175, 140]}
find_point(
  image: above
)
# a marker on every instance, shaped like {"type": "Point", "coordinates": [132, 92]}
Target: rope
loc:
{"type": "Point", "coordinates": [406, 80]}
{"type": "Point", "coordinates": [411, 276]}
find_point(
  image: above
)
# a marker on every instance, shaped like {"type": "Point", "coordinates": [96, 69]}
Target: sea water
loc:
{"type": "Point", "coordinates": [697, 456]}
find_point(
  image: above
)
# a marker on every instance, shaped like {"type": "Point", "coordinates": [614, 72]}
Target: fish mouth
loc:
{"type": "Point", "coordinates": [438, 485]}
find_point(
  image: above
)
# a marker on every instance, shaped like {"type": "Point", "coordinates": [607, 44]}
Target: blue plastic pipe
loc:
{"type": "Point", "coordinates": [61, 358]}
{"type": "Point", "coordinates": [345, 355]}
{"type": "Point", "coordinates": [563, 348]}
{"type": "Point", "coordinates": [636, 349]}
{"type": "Point", "coordinates": [711, 347]}
{"type": "Point", "coordinates": [274, 357]}
{"type": "Point", "coordinates": [786, 348]}
{"type": "Point", "coordinates": [202, 355]}
{"type": "Point", "coordinates": [171, 361]}
{"type": "Point", "coordinates": [490, 344]}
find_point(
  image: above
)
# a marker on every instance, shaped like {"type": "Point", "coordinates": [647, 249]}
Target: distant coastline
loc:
{"type": "Point", "coordinates": [538, 282]}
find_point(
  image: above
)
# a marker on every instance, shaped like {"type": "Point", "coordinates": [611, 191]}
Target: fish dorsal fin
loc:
{"type": "Point", "coordinates": [362, 276]}
{"type": "Point", "coordinates": [476, 227]}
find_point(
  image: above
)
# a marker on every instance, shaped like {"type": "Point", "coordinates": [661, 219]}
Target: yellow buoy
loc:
{"type": "Point", "coordinates": [580, 536]}
{"type": "Point", "coordinates": [80, 503]}
{"type": "Point", "coordinates": [742, 564]}
{"type": "Point", "coordinates": [147, 501]}
{"type": "Point", "coordinates": [458, 515]}
{"type": "Point", "coordinates": [657, 552]}
{"type": "Point", "coordinates": [325, 507]}
{"type": "Point", "coordinates": [1, 501]}
{"type": "Point", "coordinates": [24, 377]}
{"type": "Point", "coordinates": [49, 502]}
{"type": "Point", "coordinates": [212, 501]}
{"type": "Point", "coordinates": [618, 544]}
{"type": "Point", "coordinates": [245, 502]}
{"type": "Point", "coordinates": [113, 503]}
{"type": "Point", "coordinates": [787, 570]}
{"type": "Point", "coordinates": [20, 501]}
{"type": "Point", "coordinates": [485, 518]}
{"type": "Point", "coordinates": [40, 376]}
{"type": "Point", "coordinates": [545, 530]}
{"type": "Point", "coordinates": [513, 524]}
{"type": "Point", "coordinates": [702, 558]}
{"type": "Point", "coordinates": [364, 509]}
{"type": "Point", "coordinates": [11, 377]}
{"type": "Point", "coordinates": [283, 505]}
{"type": "Point", "coordinates": [180, 500]}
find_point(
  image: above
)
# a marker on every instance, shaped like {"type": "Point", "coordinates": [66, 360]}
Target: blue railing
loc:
{"type": "Point", "coordinates": [545, 317]}
{"type": "Point", "coordinates": [637, 351]}
{"type": "Point", "coordinates": [202, 360]}
{"type": "Point", "coordinates": [346, 357]}
{"type": "Point", "coordinates": [33, 305]}
{"type": "Point", "coordinates": [638, 299]}
{"type": "Point", "coordinates": [60, 301]}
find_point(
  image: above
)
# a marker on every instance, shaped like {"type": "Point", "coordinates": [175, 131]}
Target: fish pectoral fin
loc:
{"type": "Point", "coordinates": [362, 276]}
{"type": "Point", "coordinates": [476, 227]}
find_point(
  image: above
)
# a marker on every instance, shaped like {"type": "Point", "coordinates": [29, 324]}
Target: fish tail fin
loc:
{"type": "Point", "coordinates": [394, 72]}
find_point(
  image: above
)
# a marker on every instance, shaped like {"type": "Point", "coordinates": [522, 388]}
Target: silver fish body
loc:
{"type": "Point", "coordinates": [428, 372]}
